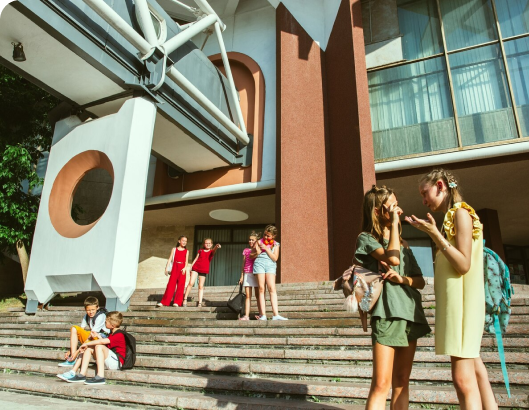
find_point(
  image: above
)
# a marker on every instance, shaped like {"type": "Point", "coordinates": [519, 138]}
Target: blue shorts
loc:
{"type": "Point", "coordinates": [264, 265]}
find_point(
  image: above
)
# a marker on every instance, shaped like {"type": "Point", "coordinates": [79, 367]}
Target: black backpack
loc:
{"type": "Point", "coordinates": [130, 357]}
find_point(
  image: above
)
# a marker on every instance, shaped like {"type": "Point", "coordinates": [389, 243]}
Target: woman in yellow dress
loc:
{"type": "Point", "coordinates": [459, 286]}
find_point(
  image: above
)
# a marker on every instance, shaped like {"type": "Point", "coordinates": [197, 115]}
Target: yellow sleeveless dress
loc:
{"type": "Point", "coordinates": [460, 299]}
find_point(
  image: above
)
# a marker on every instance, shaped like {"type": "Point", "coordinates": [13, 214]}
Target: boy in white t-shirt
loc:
{"type": "Point", "coordinates": [109, 353]}
{"type": "Point", "coordinates": [94, 320]}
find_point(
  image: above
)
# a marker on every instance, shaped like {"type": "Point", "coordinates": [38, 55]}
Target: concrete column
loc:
{"type": "Point", "coordinates": [492, 230]}
{"type": "Point", "coordinates": [325, 159]}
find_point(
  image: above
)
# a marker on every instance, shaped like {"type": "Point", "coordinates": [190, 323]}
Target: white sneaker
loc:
{"type": "Point", "coordinates": [279, 317]}
{"type": "Point", "coordinates": [263, 318]}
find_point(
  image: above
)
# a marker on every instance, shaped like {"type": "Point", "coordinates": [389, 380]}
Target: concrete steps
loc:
{"type": "Point", "coordinates": [153, 397]}
{"type": "Point", "coordinates": [197, 358]}
{"type": "Point", "coordinates": [215, 384]}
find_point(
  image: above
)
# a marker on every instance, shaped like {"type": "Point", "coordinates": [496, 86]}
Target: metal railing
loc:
{"type": "Point", "coordinates": [206, 18]}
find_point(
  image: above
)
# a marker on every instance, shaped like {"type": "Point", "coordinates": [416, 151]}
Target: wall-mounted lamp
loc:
{"type": "Point", "coordinates": [18, 52]}
{"type": "Point", "coordinates": [174, 173]}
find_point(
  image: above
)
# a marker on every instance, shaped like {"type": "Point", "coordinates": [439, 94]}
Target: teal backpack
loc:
{"type": "Point", "coordinates": [498, 294]}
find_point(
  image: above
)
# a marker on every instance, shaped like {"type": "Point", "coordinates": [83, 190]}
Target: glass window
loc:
{"type": "Point", "coordinates": [420, 28]}
{"type": "Point", "coordinates": [482, 96]}
{"type": "Point", "coordinates": [157, 25]}
{"type": "Point", "coordinates": [366, 21]}
{"type": "Point", "coordinates": [467, 22]}
{"type": "Point", "coordinates": [158, 22]}
{"type": "Point", "coordinates": [517, 52]}
{"type": "Point", "coordinates": [422, 250]}
{"type": "Point", "coordinates": [381, 19]}
{"type": "Point", "coordinates": [227, 263]}
{"type": "Point", "coordinates": [513, 16]}
{"type": "Point", "coordinates": [411, 110]}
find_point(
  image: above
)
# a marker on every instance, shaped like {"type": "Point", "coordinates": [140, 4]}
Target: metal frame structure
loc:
{"type": "Point", "coordinates": [148, 45]}
{"type": "Point", "coordinates": [500, 40]}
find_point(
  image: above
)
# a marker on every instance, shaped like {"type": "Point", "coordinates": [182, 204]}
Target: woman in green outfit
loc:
{"type": "Point", "coordinates": [459, 287]}
{"type": "Point", "coordinates": [398, 319]}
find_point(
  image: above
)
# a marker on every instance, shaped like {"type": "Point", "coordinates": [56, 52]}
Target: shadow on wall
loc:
{"type": "Point", "coordinates": [157, 241]}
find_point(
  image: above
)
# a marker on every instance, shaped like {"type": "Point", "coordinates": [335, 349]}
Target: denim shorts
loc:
{"type": "Point", "coordinates": [264, 265]}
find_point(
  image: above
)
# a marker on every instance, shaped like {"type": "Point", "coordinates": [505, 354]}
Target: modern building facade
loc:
{"type": "Point", "coordinates": [447, 83]}
{"type": "Point", "coordinates": [335, 95]}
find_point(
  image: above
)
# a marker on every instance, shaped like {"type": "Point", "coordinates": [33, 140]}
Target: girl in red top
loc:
{"type": "Point", "coordinates": [200, 268]}
{"type": "Point", "coordinates": [180, 258]}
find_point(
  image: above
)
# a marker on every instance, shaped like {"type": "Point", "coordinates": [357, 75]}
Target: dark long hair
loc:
{"type": "Point", "coordinates": [178, 243]}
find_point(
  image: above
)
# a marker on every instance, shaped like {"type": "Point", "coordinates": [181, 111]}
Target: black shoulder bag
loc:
{"type": "Point", "coordinates": [237, 303]}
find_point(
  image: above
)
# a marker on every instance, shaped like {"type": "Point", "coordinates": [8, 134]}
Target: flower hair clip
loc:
{"type": "Point", "coordinates": [452, 184]}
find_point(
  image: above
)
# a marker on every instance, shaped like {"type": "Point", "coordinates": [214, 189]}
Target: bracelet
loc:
{"type": "Point", "coordinates": [447, 245]}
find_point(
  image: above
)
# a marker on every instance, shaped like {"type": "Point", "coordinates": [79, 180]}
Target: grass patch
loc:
{"type": "Point", "coordinates": [11, 302]}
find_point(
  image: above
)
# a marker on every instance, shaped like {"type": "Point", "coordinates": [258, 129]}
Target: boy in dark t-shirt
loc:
{"type": "Point", "coordinates": [108, 353]}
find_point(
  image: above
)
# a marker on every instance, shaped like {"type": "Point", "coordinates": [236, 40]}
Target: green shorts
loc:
{"type": "Point", "coordinates": [396, 332]}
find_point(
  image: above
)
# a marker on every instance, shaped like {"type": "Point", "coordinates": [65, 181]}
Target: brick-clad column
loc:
{"type": "Point", "coordinates": [351, 157]}
{"type": "Point", "coordinates": [301, 180]}
{"type": "Point", "coordinates": [324, 145]}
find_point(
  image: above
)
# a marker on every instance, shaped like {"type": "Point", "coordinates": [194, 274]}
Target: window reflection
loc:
{"type": "Point", "coordinates": [513, 16]}
{"type": "Point", "coordinates": [420, 28]}
{"type": "Point", "coordinates": [517, 52]}
{"type": "Point", "coordinates": [411, 110]}
{"type": "Point", "coordinates": [467, 22]}
{"type": "Point", "coordinates": [482, 95]}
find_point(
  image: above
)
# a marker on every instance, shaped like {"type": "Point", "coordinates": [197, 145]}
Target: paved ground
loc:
{"type": "Point", "coordinates": [10, 400]}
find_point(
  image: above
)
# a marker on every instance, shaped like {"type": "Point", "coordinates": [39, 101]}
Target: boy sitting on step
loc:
{"type": "Point", "coordinates": [95, 321]}
{"type": "Point", "coordinates": [109, 353]}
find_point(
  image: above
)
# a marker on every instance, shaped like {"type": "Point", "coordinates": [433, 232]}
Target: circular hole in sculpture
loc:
{"type": "Point", "coordinates": [80, 193]}
{"type": "Point", "coordinates": [91, 196]}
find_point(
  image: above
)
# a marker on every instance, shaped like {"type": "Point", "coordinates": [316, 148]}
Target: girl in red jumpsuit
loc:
{"type": "Point", "coordinates": [179, 257]}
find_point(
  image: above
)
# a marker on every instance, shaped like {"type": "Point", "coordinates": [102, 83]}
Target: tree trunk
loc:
{"type": "Point", "coordinates": [24, 259]}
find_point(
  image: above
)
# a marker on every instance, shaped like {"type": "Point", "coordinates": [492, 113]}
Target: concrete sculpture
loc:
{"type": "Point", "coordinates": [104, 254]}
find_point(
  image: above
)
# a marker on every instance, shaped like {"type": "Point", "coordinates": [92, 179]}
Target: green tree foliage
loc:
{"type": "Point", "coordinates": [18, 209]}
{"type": "Point", "coordinates": [24, 133]}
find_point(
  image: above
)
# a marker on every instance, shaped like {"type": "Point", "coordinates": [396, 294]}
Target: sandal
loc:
{"type": "Point", "coordinates": [199, 304]}
{"type": "Point", "coordinates": [244, 318]}
{"type": "Point", "coordinates": [257, 317]}
{"type": "Point", "coordinates": [184, 304]}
